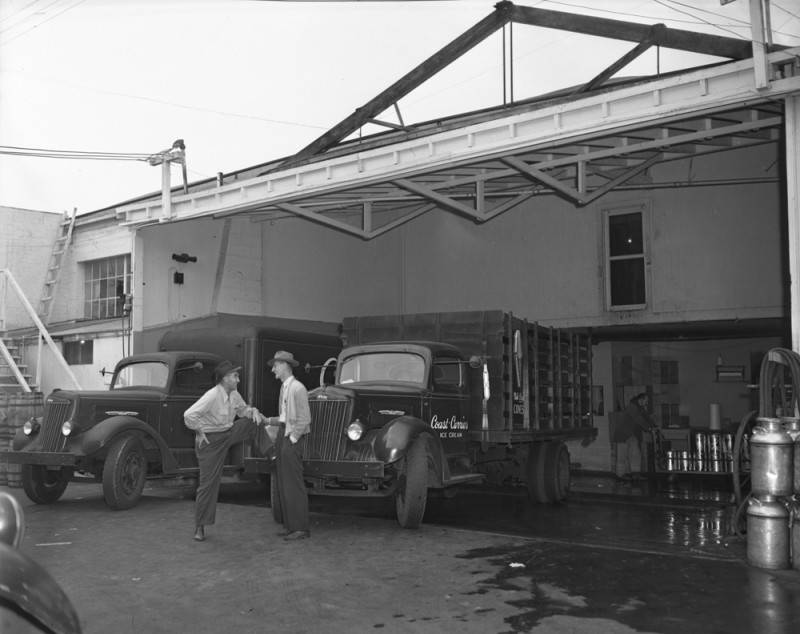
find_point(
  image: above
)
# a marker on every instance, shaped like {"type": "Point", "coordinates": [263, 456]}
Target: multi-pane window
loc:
{"type": "Point", "coordinates": [625, 271]}
{"type": "Point", "coordinates": [107, 281]}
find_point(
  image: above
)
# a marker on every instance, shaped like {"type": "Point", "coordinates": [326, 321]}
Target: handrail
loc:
{"type": "Point", "coordinates": [12, 364]}
{"type": "Point", "coordinates": [42, 329]}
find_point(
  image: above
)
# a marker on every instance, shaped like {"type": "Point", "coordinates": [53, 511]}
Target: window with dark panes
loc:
{"type": "Point", "coordinates": [106, 282]}
{"type": "Point", "coordinates": [79, 352]}
{"type": "Point", "coordinates": [625, 277]}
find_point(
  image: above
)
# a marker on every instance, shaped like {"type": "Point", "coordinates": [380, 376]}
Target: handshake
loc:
{"type": "Point", "coordinates": [259, 419]}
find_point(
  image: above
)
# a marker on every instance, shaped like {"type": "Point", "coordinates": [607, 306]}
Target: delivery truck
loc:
{"type": "Point", "coordinates": [434, 401]}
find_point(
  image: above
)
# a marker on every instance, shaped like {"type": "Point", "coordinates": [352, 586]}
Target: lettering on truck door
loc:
{"type": "Point", "coordinates": [449, 403]}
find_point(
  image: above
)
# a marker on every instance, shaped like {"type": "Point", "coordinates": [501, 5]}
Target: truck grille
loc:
{"type": "Point", "coordinates": [329, 420]}
{"type": "Point", "coordinates": [55, 413]}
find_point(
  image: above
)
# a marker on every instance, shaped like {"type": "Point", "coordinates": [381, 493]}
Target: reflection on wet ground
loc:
{"type": "Point", "coordinates": [656, 556]}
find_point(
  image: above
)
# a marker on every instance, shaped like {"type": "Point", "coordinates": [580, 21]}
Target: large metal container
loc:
{"type": "Point", "coordinates": [792, 427]}
{"type": "Point", "coordinates": [794, 528]}
{"type": "Point", "coordinates": [700, 451]}
{"type": "Point", "coordinates": [767, 533]}
{"type": "Point", "coordinates": [771, 459]}
{"type": "Point", "coordinates": [716, 463]}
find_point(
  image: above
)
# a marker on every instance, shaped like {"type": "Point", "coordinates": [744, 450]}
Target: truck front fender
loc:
{"type": "Point", "coordinates": [103, 434]}
{"type": "Point", "coordinates": [394, 439]}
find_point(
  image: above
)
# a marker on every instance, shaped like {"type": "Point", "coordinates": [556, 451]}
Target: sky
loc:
{"type": "Point", "coordinates": [243, 82]}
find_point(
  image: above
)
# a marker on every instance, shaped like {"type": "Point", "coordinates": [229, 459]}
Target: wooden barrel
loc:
{"type": "Point", "coordinates": [15, 409]}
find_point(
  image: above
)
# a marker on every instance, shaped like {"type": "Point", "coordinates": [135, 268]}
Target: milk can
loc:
{"type": "Point", "coordinates": [771, 459]}
{"type": "Point", "coordinates": [767, 533]}
{"type": "Point", "coordinates": [792, 427]}
{"type": "Point", "coordinates": [794, 528]}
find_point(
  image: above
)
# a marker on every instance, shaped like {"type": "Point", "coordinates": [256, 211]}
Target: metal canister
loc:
{"type": "Point", "coordinates": [715, 461]}
{"type": "Point", "coordinates": [771, 459]}
{"type": "Point", "coordinates": [792, 427]}
{"type": "Point", "coordinates": [794, 530]}
{"type": "Point", "coordinates": [767, 533]}
{"type": "Point", "coordinates": [700, 450]}
{"type": "Point", "coordinates": [727, 451]}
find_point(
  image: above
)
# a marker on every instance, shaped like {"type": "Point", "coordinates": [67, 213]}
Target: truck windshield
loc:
{"type": "Point", "coordinates": [144, 374]}
{"type": "Point", "coordinates": [383, 366]}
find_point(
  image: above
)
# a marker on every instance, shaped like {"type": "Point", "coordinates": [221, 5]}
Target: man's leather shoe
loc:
{"type": "Point", "coordinates": [294, 535]}
{"type": "Point", "coordinates": [199, 534]}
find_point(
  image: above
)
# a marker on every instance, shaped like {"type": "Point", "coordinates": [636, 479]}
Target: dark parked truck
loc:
{"type": "Point", "coordinates": [432, 401]}
{"type": "Point", "coordinates": [134, 431]}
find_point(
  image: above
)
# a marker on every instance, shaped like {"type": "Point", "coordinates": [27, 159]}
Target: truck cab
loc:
{"type": "Point", "coordinates": [120, 436]}
{"type": "Point", "coordinates": [394, 424]}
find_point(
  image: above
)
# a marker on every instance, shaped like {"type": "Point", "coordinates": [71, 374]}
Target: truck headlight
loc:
{"type": "Point", "coordinates": [30, 427]}
{"type": "Point", "coordinates": [67, 428]}
{"type": "Point", "coordinates": [355, 430]}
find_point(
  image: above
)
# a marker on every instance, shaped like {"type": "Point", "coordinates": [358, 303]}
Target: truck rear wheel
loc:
{"type": "Point", "coordinates": [275, 498]}
{"type": "Point", "coordinates": [412, 492]}
{"type": "Point", "coordinates": [124, 473]}
{"type": "Point", "coordinates": [548, 472]}
{"type": "Point", "coordinates": [42, 485]}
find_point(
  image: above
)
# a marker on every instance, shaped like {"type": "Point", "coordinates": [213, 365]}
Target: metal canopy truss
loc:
{"type": "Point", "coordinates": [578, 149]}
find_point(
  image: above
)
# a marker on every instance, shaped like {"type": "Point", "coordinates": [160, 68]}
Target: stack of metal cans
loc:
{"type": "Point", "coordinates": [772, 505]}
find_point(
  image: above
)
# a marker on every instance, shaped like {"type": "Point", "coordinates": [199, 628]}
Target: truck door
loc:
{"type": "Point", "coordinates": [450, 403]}
{"type": "Point", "coordinates": [193, 377]}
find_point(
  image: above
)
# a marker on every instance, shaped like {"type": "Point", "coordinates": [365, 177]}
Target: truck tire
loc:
{"type": "Point", "coordinates": [275, 498]}
{"type": "Point", "coordinates": [44, 486]}
{"type": "Point", "coordinates": [412, 491]}
{"type": "Point", "coordinates": [548, 472]}
{"type": "Point", "coordinates": [124, 473]}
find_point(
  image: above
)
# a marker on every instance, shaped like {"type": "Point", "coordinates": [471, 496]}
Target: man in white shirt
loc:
{"type": "Point", "coordinates": [295, 415]}
{"type": "Point", "coordinates": [212, 418]}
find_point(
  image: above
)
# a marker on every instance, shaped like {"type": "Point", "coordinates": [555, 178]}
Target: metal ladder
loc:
{"type": "Point", "coordinates": [54, 266]}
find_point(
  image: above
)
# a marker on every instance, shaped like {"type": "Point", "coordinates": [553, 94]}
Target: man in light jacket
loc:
{"type": "Point", "coordinates": [295, 415]}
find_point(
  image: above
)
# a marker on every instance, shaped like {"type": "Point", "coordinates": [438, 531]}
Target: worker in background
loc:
{"type": "Point", "coordinates": [629, 435]}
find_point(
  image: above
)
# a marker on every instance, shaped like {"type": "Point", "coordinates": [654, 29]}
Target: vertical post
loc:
{"type": "Point", "coordinates": [166, 199]}
{"type": "Point", "coordinates": [758, 31]}
{"type": "Point", "coordinates": [39, 349]}
{"type": "Point", "coordinates": [792, 119]}
{"type": "Point", "coordinates": [137, 285]}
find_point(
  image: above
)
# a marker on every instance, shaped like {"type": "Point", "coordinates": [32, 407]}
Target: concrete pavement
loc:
{"type": "Point", "coordinates": [140, 571]}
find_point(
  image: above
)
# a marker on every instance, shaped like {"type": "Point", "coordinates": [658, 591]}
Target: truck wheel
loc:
{"type": "Point", "coordinates": [548, 472]}
{"type": "Point", "coordinates": [275, 498]}
{"type": "Point", "coordinates": [124, 473]}
{"type": "Point", "coordinates": [412, 492]}
{"type": "Point", "coordinates": [42, 485]}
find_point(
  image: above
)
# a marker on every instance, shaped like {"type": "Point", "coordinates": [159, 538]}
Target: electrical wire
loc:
{"type": "Point", "coordinates": [663, 3]}
{"type": "Point", "coordinates": [625, 13]}
{"type": "Point", "coordinates": [36, 26]}
{"type": "Point", "coordinates": [777, 6]}
{"type": "Point", "coordinates": [74, 154]}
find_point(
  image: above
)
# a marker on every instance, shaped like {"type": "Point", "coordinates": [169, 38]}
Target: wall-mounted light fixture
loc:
{"type": "Point", "coordinates": [184, 257]}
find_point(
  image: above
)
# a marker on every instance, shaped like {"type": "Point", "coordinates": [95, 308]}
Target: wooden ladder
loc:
{"type": "Point", "coordinates": [54, 266]}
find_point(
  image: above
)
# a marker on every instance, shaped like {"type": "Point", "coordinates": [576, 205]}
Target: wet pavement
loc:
{"type": "Point", "coordinates": [655, 556]}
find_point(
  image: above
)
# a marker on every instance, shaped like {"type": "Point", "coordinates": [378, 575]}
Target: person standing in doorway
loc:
{"type": "Point", "coordinates": [213, 418]}
{"type": "Point", "coordinates": [294, 414]}
{"type": "Point", "coordinates": [629, 437]}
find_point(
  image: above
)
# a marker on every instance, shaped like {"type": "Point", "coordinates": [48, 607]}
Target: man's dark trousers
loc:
{"type": "Point", "coordinates": [211, 459]}
{"type": "Point", "coordinates": [291, 486]}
